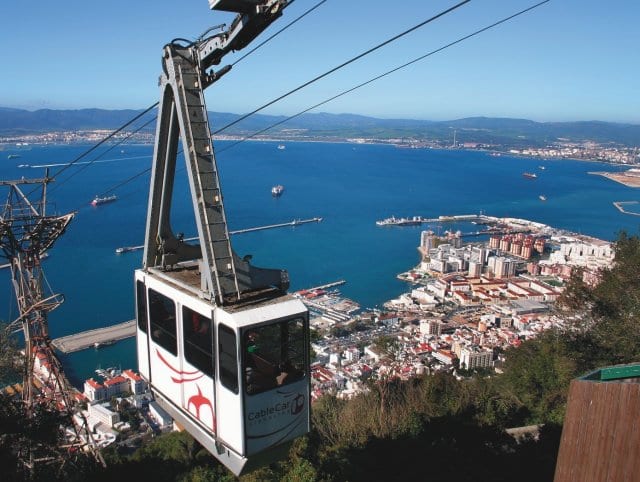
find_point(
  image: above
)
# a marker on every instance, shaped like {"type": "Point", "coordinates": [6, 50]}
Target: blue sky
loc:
{"type": "Point", "coordinates": [567, 60]}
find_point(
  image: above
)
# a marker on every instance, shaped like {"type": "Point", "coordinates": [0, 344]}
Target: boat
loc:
{"type": "Point", "coordinates": [13, 156]}
{"type": "Point", "coordinates": [103, 200]}
{"type": "Point", "coordinates": [542, 197]}
{"type": "Point", "coordinates": [100, 344]}
{"type": "Point", "coordinates": [529, 175]}
{"type": "Point", "coordinates": [542, 168]}
{"type": "Point", "coordinates": [393, 221]}
{"type": "Point", "coordinates": [277, 190]}
{"type": "Point", "coordinates": [125, 249]}
{"type": "Point", "coordinates": [282, 147]}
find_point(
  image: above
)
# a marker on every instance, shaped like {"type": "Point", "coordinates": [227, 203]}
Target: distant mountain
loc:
{"type": "Point", "coordinates": [505, 131]}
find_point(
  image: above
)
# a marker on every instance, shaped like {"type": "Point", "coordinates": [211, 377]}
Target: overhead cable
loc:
{"type": "Point", "coordinates": [279, 31]}
{"type": "Point", "coordinates": [344, 64]}
{"type": "Point", "coordinates": [87, 152]}
{"type": "Point", "coordinates": [388, 72]}
{"type": "Point", "coordinates": [102, 154]}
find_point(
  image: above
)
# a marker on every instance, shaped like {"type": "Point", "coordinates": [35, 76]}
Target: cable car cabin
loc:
{"type": "Point", "coordinates": [236, 378]}
{"type": "Point", "coordinates": [233, 372]}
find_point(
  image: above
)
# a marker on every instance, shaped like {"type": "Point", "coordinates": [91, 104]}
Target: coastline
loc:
{"type": "Point", "coordinates": [6, 145]}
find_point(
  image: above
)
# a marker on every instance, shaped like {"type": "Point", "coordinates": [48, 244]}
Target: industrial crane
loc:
{"type": "Point", "coordinates": [223, 346]}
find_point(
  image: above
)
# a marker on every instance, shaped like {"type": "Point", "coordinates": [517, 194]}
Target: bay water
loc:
{"type": "Point", "coordinates": [349, 185]}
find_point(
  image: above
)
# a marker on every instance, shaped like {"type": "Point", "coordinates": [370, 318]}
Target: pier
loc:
{"type": "Point", "coordinates": [294, 222]}
{"type": "Point", "coordinates": [95, 338]}
{"type": "Point", "coordinates": [620, 206]}
{"type": "Point", "coordinates": [327, 286]}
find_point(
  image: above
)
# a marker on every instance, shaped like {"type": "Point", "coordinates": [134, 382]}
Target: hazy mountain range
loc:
{"type": "Point", "coordinates": [338, 126]}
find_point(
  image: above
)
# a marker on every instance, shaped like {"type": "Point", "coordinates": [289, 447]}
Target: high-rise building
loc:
{"type": "Point", "coordinates": [471, 358]}
{"type": "Point", "coordinates": [431, 327]}
{"type": "Point", "coordinates": [504, 267]}
{"type": "Point", "coordinates": [478, 255]}
{"type": "Point", "coordinates": [475, 269]}
{"type": "Point", "coordinates": [427, 240]}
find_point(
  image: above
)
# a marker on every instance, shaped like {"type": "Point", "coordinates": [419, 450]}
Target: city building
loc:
{"type": "Point", "coordinates": [473, 357]}
{"type": "Point", "coordinates": [160, 415]}
{"type": "Point", "coordinates": [94, 390]}
{"type": "Point", "coordinates": [103, 414]}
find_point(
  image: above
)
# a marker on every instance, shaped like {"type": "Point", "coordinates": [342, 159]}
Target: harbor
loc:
{"type": "Point", "coordinates": [293, 222]}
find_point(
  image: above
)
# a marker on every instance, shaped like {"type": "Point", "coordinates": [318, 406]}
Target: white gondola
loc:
{"type": "Point", "coordinates": [236, 379]}
{"type": "Point", "coordinates": [224, 348]}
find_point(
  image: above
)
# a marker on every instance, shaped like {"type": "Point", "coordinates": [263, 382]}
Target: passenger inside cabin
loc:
{"type": "Point", "coordinates": [260, 373]}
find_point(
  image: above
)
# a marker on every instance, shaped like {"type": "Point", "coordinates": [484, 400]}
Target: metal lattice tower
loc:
{"type": "Point", "coordinates": [26, 233]}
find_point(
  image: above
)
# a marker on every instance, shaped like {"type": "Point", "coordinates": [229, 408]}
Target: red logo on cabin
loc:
{"type": "Point", "coordinates": [198, 401]}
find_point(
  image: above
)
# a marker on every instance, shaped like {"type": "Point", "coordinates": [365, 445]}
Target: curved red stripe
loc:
{"type": "Point", "coordinates": [181, 373]}
{"type": "Point", "coordinates": [184, 380]}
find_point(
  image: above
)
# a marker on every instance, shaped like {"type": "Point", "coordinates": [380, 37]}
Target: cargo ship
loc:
{"type": "Point", "coordinates": [103, 200]}
{"type": "Point", "coordinates": [277, 191]}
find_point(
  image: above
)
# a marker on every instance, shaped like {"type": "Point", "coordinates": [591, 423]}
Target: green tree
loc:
{"type": "Point", "coordinates": [537, 374]}
{"type": "Point", "coordinates": [11, 361]}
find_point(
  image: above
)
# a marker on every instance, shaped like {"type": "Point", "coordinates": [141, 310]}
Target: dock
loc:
{"type": "Point", "coordinates": [294, 222]}
{"type": "Point", "coordinates": [326, 286]}
{"type": "Point", "coordinates": [95, 338]}
{"type": "Point", "coordinates": [620, 206]}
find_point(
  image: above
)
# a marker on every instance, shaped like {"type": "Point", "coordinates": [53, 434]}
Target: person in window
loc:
{"type": "Point", "coordinates": [200, 324]}
{"type": "Point", "coordinates": [251, 372]}
{"type": "Point", "coordinates": [260, 373]}
{"type": "Point", "coordinates": [252, 342]}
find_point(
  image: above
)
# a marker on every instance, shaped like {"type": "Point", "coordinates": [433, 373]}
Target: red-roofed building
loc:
{"type": "Point", "coordinates": [116, 385]}
{"type": "Point", "coordinates": [444, 356]}
{"type": "Point", "coordinates": [94, 390]}
{"type": "Point", "coordinates": [137, 383]}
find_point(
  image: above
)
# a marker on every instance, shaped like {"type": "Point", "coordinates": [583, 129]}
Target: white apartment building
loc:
{"type": "Point", "coordinates": [471, 358]}
{"type": "Point", "coordinates": [103, 414]}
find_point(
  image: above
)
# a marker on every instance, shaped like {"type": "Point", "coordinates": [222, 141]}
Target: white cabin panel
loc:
{"type": "Point", "coordinates": [142, 323]}
{"type": "Point", "coordinates": [198, 363]}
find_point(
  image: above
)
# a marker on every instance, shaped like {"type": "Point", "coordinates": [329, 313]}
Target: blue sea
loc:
{"type": "Point", "coordinates": [349, 186]}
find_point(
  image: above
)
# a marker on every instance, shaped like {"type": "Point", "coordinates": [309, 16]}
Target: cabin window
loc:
{"type": "Point", "coordinates": [198, 340]}
{"type": "Point", "coordinates": [228, 359]}
{"type": "Point", "coordinates": [162, 319]}
{"type": "Point", "coordinates": [274, 355]}
{"type": "Point", "coordinates": [141, 305]}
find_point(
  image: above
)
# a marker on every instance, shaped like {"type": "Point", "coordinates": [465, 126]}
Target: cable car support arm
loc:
{"type": "Point", "coordinates": [225, 277]}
